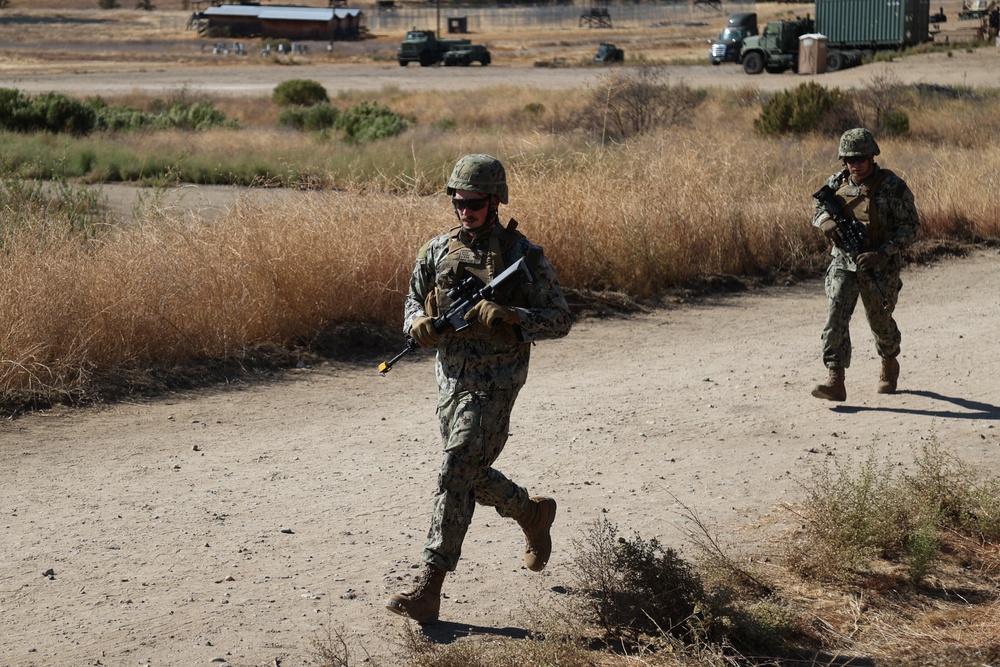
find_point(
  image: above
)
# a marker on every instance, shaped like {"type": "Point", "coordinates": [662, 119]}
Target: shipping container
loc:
{"type": "Point", "coordinates": [873, 24]}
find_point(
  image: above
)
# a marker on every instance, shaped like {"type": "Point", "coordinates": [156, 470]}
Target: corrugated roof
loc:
{"type": "Point", "coordinates": [296, 13]}
{"type": "Point", "coordinates": [231, 10]}
{"type": "Point", "coordinates": [281, 13]}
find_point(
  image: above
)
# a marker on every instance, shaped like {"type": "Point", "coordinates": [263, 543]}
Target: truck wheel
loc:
{"type": "Point", "coordinates": [834, 61]}
{"type": "Point", "coordinates": [404, 63]}
{"type": "Point", "coordinates": [753, 63]}
{"type": "Point", "coordinates": [485, 60]}
{"type": "Point", "coordinates": [426, 59]}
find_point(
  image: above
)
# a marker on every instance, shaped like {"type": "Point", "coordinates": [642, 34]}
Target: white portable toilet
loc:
{"type": "Point", "coordinates": [812, 53]}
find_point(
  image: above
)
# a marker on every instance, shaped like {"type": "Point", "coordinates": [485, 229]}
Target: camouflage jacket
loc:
{"type": "Point", "coordinates": [470, 364]}
{"type": "Point", "coordinates": [897, 214]}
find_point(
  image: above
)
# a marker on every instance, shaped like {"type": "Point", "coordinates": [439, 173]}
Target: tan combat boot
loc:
{"type": "Point", "coordinates": [889, 376]}
{"type": "Point", "coordinates": [834, 389]}
{"type": "Point", "coordinates": [536, 522]}
{"type": "Point", "coordinates": [423, 603]}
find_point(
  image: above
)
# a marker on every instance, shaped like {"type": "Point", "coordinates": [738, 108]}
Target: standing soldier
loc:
{"type": "Point", "coordinates": [883, 203]}
{"type": "Point", "coordinates": [479, 373]}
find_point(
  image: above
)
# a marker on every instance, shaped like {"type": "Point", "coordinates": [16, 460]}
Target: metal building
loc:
{"type": "Point", "coordinates": [295, 23]}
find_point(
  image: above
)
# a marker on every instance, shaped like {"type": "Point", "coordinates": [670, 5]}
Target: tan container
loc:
{"type": "Point", "coordinates": [812, 54]}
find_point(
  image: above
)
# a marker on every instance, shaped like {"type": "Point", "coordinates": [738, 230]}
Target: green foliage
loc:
{"type": "Point", "coordinates": [802, 109]}
{"type": "Point", "coordinates": [369, 121]}
{"type": "Point", "coordinates": [299, 92]}
{"type": "Point", "coordinates": [49, 209]}
{"type": "Point", "coordinates": [534, 108]}
{"type": "Point", "coordinates": [198, 116]}
{"type": "Point", "coordinates": [311, 118]}
{"type": "Point", "coordinates": [48, 112]}
{"type": "Point", "coordinates": [181, 115]}
{"type": "Point", "coordinates": [896, 123]}
{"type": "Point", "coordinates": [447, 124]}
{"type": "Point", "coordinates": [878, 513]}
{"type": "Point", "coordinates": [52, 112]}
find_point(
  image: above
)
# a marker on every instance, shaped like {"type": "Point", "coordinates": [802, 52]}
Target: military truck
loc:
{"type": "Point", "coordinates": [855, 29]}
{"type": "Point", "coordinates": [777, 48]}
{"type": "Point", "coordinates": [423, 46]}
{"type": "Point", "coordinates": [609, 53]}
{"type": "Point", "coordinates": [726, 49]}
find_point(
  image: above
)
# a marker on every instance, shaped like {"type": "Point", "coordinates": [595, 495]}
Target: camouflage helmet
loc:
{"type": "Point", "coordinates": [858, 142]}
{"type": "Point", "coordinates": [479, 173]}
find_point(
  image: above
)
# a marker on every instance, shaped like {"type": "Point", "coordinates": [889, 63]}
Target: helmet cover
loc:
{"type": "Point", "coordinates": [858, 142]}
{"type": "Point", "coordinates": [479, 172]}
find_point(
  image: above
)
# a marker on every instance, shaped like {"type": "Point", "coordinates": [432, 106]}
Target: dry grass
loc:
{"type": "Point", "coordinates": [167, 291]}
{"type": "Point", "coordinates": [700, 199]}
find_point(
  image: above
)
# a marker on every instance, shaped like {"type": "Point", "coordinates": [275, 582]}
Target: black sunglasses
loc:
{"type": "Point", "coordinates": [470, 204]}
{"type": "Point", "coordinates": [856, 159]}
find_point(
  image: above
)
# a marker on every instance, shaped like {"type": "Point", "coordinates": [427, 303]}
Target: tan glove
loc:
{"type": "Point", "coordinates": [829, 228]}
{"type": "Point", "coordinates": [422, 330]}
{"type": "Point", "coordinates": [869, 261]}
{"type": "Point", "coordinates": [491, 314]}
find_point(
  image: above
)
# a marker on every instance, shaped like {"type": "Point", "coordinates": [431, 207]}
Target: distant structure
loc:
{"type": "Point", "coordinates": [295, 23]}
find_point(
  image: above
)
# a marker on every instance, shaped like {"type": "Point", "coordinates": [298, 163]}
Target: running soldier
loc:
{"type": "Point", "coordinates": [479, 373]}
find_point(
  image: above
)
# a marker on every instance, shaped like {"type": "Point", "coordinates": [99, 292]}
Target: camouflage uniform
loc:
{"type": "Point", "coordinates": [479, 376]}
{"type": "Point", "coordinates": [884, 198]}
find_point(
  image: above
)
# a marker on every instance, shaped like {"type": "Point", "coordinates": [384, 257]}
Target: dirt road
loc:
{"type": "Point", "coordinates": [978, 68]}
{"type": "Point", "coordinates": [239, 525]}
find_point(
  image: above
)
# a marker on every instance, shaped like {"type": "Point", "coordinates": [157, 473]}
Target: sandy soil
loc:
{"type": "Point", "coordinates": [239, 525]}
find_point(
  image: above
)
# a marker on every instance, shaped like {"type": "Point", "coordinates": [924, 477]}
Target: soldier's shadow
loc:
{"type": "Point", "coordinates": [445, 632]}
{"type": "Point", "coordinates": [970, 409]}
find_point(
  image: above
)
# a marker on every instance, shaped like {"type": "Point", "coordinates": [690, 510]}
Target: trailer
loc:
{"type": "Point", "coordinates": [854, 29]}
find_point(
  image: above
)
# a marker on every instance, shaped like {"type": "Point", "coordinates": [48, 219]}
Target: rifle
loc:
{"type": "Point", "coordinates": [852, 232]}
{"type": "Point", "coordinates": [464, 296]}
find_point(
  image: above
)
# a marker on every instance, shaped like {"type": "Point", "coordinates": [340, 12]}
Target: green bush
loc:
{"type": "Point", "coordinates": [179, 115]}
{"type": "Point", "coordinates": [49, 112]}
{"type": "Point", "coordinates": [369, 121]}
{"type": "Point", "coordinates": [875, 513]}
{"type": "Point", "coordinates": [316, 117]}
{"type": "Point", "coordinates": [122, 119]}
{"type": "Point", "coordinates": [896, 123]}
{"type": "Point", "coordinates": [802, 109]}
{"type": "Point", "coordinates": [299, 92]}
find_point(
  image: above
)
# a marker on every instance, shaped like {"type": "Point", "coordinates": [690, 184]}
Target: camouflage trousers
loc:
{"type": "Point", "coordinates": [843, 287]}
{"type": "Point", "coordinates": [474, 428]}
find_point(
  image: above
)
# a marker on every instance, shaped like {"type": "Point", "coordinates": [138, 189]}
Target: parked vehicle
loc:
{"type": "Point", "coordinates": [776, 49]}
{"type": "Point", "coordinates": [423, 46]}
{"type": "Point", "coordinates": [466, 54]}
{"type": "Point", "coordinates": [855, 29]}
{"type": "Point", "coordinates": [727, 47]}
{"type": "Point", "coordinates": [609, 53]}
